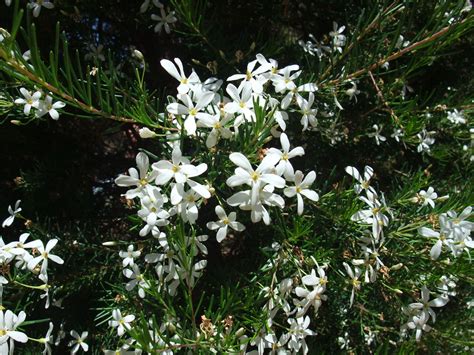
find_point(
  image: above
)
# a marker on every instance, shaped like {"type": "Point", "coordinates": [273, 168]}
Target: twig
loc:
{"type": "Point", "coordinates": [20, 69]}
{"type": "Point", "coordinates": [395, 55]}
{"type": "Point", "coordinates": [358, 39]}
{"type": "Point", "coordinates": [380, 95]}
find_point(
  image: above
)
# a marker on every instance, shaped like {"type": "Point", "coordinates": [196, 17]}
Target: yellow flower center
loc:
{"type": "Point", "coordinates": [284, 156]}
{"type": "Point", "coordinates": [248, 75]}
{"type": "Point", "coordinates": [175, 168]}
{"type": "Point", "coordinates": [298, 189]}
{"type": "Point", "coordinates": [184, 81]}
{"type": "Point", "coordinates": [255, 176]}
{"type": "Point", "coordinates": [226, 221]}
{"type": "Point", "coordinates": [193, 112]}
{"type": "Point", "coordinates": [143, 182]}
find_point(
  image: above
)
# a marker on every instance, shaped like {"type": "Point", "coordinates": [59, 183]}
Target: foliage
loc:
{"type": "Point", "coordinates": [352, 235]}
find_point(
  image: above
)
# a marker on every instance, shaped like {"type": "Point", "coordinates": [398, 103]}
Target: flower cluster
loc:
{"type": "Point", "coordinates": [310, 293]}
{"type": "Point", "coordinates": [454, 233]}
{"type": "Point", "coordinates": [40, 106]}
{"type": "Point", "coordinates": [420, 313]}
{"type": "Point", "coordinates": [34, 257]}
{"type": "Point", "coordinates": [372, 242]}
{"type": "Point", "coordinates": [201, 106]}
{"type": "Point", "coordinates": [164, 19]}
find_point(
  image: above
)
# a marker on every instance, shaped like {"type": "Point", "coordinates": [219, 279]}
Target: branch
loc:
{"type": "Point", "coordinates": [396, 55]}
{"type": "Point", "coordinates": [22, 70]}
{"type": "Point", "coordinates": [380, 95]}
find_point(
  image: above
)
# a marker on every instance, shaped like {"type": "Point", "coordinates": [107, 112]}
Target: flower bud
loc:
{"type": "Point", "coordinates": [240, 332]}
{"type": "Point", "coordinates": [138, 55]}
{"type": "Point", "coordinates": [146, 133]}
{"type": "Point", "coordinates": [397, 266]}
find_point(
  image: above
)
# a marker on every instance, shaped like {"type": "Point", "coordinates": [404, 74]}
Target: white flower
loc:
{"type": "Point", "coordinates": [242, 103]}
{"type": "Point", "coordinates": [78, 342]}
{"type": "Point", "coordinates": [353, 91]}
{"type": "Point", "coordinates": [30, 100]}
{"type": "Point", "coordinates": [129, 256]}
{"type": "Point", "coordinates": [188, 205]}
{"type": "Point", "coordinates": [295, 91]}
{"type": "Point", "coordinates": [47, 106]}
{"type": "Point", "coordinates": [217, 122]}
{"type": "Point", "coordinates": [397, 133]}
{"type": "Point", "coordinates": [152, 212]}
{"type": "Point", "coordinates": [146, 133]}
{"type": "Point", "coordinates": [364, 182]}
{"type": "Point", "coordinates": [425, 304]}
{"type": "Point", "coordinates": [441, 240]}
{"type": "Point", "coordinates": [47, 340]}
{"type": "Point", "coordinates": [269, 66]}
{"type": "Point", "coordinates": [355, 282]}
{"type": "Point", "coordinates": [36, 6]}
{"type": "Point", "coordinates": [265, 196]}
{"type": "Point", "coordinates": [245, 174]}
{"type": "Point", "coordinates": [95, 52]}
{"type": "Point", "coordinates": [13, 212]}
{"type": "Point", "coordinates": [8, 323]}
{"type": "Point", "coordinates": [224, 222]}
{"type": "Point", "coordinates": [378, 137]}
{"type": "Point", "coordinates": [370, 274]}
{"type": "Point", "coordinates": [467, 7]}
{"type": "Point", "coordinates": [459, 225]}
{"type": "Point", "coordinates": [136, 279]}
{"type": "Point", "coordinates": [121, 323]}
{"type": "Point", "coordinates": [373, 215]}
{"type": "Point", "coordinates": [45, 255]}
{"type": "Point", "coordinates": [447, 285]}
{"type": "Point", "coordinates": [190, 110]}
{"type": "Point", "coordinates": [298, 332]}
{"type": "Point", "coordinates": [8, 2]}
{"type": "Point", "coordinates": [140, 178]}
{"type": "Point", "coordinates": [418, 323]}
{"type": "Point", "coordinates": [250, 76]}
{"type": "Point", "coordinates": [284, 79]}
{"type": "Point", "coordinates": [338, 39]}
{"type": "Point", "coordinates": [164, 20]}
{"type": "Point", "coordinates": [425, 197]}
{"type": "Point", "coordinates": [181, 171]}
{"type": "Point", "coordinates": [456, 117]}
{"type": "Point", "coordinates": [344, 341]}
{"type": "Point", "coordinates": [426, 140]}
{"type": "Point", "coordinates": [17, 248]}
{"type": "Point", "coordinates": [185, 82]}
{"type": "Point", "coordinates": [302, 188]}
{"type": "Point", "coordinates": [312, 297]}
{"type": "Point", "coordinates": [284, 166]}
{"type": "Point", "coordinates": [309, 114]}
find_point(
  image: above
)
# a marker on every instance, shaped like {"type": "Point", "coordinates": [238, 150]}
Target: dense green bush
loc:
{"type": "Point", "coordinates": [202, 197]}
